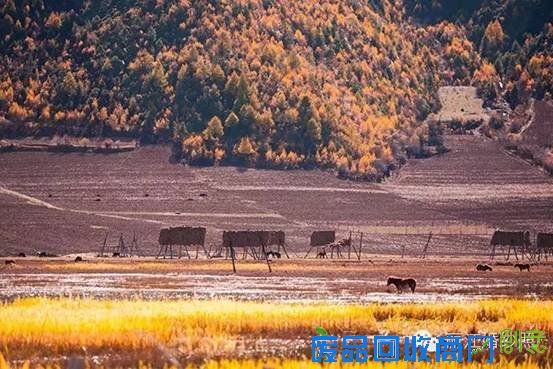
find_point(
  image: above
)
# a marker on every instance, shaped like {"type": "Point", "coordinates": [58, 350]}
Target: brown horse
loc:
{"type": "Point", "coordinates": [522, 267]}
{"type": "Point", "coordinates": [403, 284]}
{"type": "Point", "coordinates": [338, 246]}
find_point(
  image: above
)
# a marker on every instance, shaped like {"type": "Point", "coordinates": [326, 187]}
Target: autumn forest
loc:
{"type": "Point", "coordinates": [340, 85]}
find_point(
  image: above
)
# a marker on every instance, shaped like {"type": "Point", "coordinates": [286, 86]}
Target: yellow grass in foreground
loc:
{"type": "Point", "coordinates": [59, 325]}
{"type": "Point", "coordinates": [306, 364]}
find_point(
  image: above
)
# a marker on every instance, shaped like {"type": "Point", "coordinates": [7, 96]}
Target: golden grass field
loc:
{"type": "Point", "coordinates": [273, 363]}
{"type": "Point", "coordinates": [195, 333]}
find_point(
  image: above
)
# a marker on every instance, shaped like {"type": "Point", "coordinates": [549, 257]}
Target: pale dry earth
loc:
{"type": "Point", "coordinates": [460, 103]}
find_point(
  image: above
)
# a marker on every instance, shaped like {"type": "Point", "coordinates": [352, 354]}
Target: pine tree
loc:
{"type": "Point", "coordinates": [243, 92]}
{"type": "Point", "coordinates": [492, 39]}
{"type": "Point", "coordinates": [214, 128]}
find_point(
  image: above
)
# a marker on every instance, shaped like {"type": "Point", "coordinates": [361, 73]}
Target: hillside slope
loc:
{"type": "Point", "coordinates": [514, 38]}
{"type": "Point", "coordinates": [276, 84]}
{"type": "Point", "coordinates": [279, 84]}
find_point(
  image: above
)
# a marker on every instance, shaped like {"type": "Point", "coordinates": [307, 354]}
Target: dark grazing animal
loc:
{"type": "Point", "coordinates": [9, 262]}
{"type": "Point", "coordinates": [21, 255]}
{"type": "Point", "coordinates": [403, 284]}
{"type": "Point", "coordinates": [116, 255]}
{"type": "Point", "coordinates": [44, 254]}
{"type": "Point", "coordinates": [274, 254]}
{"type": "Point", "coordinates": [321, 254]}
{"type": "Point", "coordinates": [78, 259]}
{"type": "Point", "coordinates": [521, 267]}
{"type": "Point", "coordinates": [483, 267]}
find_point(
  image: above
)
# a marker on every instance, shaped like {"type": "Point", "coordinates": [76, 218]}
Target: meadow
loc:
{"type": "Point", "coordinates": [236, 334]}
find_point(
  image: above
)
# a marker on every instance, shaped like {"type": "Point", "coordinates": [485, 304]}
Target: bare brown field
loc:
{"type": "Point", "coordinates": [539, 132]}
{"type": "Point", "coordinates": [479, 181]}
{"type": "Point", "coordinates": [65, 203]}
{"type": "Point", "coordinates": [438, 279]}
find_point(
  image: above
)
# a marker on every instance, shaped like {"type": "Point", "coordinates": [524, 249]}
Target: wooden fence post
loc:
{"type": "Point", "coordinates": [232, 256]}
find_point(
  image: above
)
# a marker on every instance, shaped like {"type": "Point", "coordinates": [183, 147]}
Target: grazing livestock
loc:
{"type": "Point", "coordinates": [522, 267]}
{"type": "Point", "coordinates": [44, 254]}
{"type": "Point", "coordinates": [78, 259]}
{"type": "Point", "coordinates": [403, 284]}
{"type": "Point", "coordinates": [274, 254]}
{"type": "Point", "coordinates": [116, 255]}
{"type": "Point", "coordinates": [9, 262]}
{"type": "Point", "coordinates": [321, 239]}
{"type": "Point", "coordinates": [338, 246]}
{"type": "Point", "coordinates": [321, 254]}
{"type": "Point", "coordinates": [21, 255]}
{"type": "Point", "coordinates": [483, 267]}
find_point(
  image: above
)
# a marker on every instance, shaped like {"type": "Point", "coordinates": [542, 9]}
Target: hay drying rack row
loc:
{"type": "Point", "coordinates": [261, 245]}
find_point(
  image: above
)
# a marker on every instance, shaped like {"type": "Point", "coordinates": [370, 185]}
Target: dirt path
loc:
{"type": "Point", "coordinates": [29, 199]}
{"type": "Point", "coordinates": [124, 214]}
{"type": "Point", "coordinates": [37, 202]}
